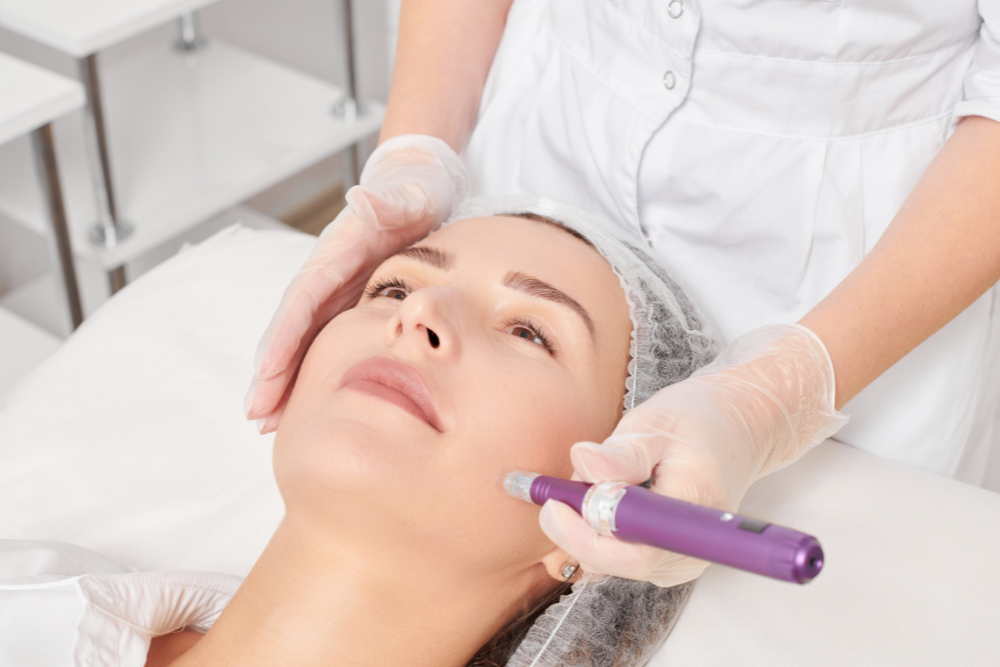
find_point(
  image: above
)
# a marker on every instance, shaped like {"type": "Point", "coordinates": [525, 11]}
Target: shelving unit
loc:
{"type": "Point", "coordinates": [83, 27]}
{"type": "Point", "coordinates": [174, 135]}
{"type": "Point", "coordinates": [32, 99]}
{"type": "Point", "coordinates": [190, 136]}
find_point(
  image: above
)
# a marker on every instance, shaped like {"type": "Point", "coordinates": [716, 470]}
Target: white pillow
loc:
{"type": "Point", "coordinates": [131, 441]}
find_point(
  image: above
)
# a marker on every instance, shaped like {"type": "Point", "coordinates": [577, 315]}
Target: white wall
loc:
{"type": "Point", "coordinates": [305, 34]}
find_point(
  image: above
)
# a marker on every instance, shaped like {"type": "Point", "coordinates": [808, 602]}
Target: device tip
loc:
{"type": "Point", "coordinates": [516, 482]}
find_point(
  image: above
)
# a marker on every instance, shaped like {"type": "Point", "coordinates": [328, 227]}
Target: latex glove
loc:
{"type": "Point", "coordinates": [408, 187]}
{"type": "Point", "coordinates": [764, 401]}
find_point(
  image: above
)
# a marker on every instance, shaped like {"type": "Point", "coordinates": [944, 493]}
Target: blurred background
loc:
{"type": "Point", "coordinates": [169, 120]}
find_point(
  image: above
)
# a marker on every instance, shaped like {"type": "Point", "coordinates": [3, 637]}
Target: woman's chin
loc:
{"type": "Point", "coordinates": [346, 455]}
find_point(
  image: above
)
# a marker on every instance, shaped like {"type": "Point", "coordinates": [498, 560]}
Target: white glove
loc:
{"type": "Point", "coordinates": [763, 402]}
{"type": "Point", "coordinates": [408, 188]}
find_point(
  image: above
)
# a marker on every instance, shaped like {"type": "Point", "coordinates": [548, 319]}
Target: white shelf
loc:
{"type": "Point", "coordinates": [23, 346]}
{"type": "Point", "coordinates": [190, 136]}
{"type": "Point", "coordinates": [83, 27]}
{"type": "Point", "coordinates": [31, 97]}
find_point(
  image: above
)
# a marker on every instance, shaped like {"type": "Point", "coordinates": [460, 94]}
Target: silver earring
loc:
{"type": "Point", "coordinates": [569, 569]}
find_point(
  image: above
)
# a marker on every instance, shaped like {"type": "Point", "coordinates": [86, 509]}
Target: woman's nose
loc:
{"type": "Point", "coordinates": [427, 321]}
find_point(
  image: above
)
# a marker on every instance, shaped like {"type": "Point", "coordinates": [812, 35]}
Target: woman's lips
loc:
{"type": "Point", "coordinates": [393, 382]}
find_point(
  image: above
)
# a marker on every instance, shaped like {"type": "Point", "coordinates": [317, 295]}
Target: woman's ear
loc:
{"type": "Point", "coordinates": [561, 566]}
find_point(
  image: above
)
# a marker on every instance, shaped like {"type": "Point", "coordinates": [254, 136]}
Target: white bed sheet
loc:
{"type": "Point", "coordinates": [130, 441]}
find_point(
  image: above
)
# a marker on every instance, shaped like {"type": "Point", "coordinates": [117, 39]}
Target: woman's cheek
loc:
{"type": "Point", "coordinates": [550, 418]}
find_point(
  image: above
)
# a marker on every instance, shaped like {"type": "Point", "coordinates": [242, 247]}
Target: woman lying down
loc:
{"type": "Point", "coordinates": [500, 340]}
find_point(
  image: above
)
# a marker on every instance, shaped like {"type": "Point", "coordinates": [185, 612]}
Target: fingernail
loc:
{"type": "Point", "coordinates": [362, 208]}
{"type": "Point", "coordinates": [267, 369]}
{"type": "Point", "coordinates": [590, 446]}
{"type": "Point", "coordinates": [260, 423]}
{"type": "Point", "coordinates": [583, 452]}
{"type": "Point", "coordinates": [270, 424]}
{"type": "Point", "coordinates": [248, 398]}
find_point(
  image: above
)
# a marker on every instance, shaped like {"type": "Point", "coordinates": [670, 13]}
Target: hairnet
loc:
{"type": "Point", "coordinates": [670, 336]}
{"type": "Point", "coordinates": [603, 622]}
{"type": "Point", "coordinates": [608, 621]}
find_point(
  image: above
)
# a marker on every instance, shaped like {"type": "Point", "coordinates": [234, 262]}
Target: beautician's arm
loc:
{"type": "Point", "coordinates": [939, 254]}
{"type": "Point", "coordinates": [769, 395]}
{"type": "Point", "coordinates": [443, 55]}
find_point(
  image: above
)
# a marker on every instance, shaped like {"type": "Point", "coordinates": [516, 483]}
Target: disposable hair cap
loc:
{"type": "Point", "coordinates": [607, 620]}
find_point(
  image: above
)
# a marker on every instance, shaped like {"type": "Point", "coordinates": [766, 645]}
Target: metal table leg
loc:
{"type": "Point", "coordinates": [190, 38]}
{"type": "Point", "coordinates": [349, 108]}
{"type": "Point", "coordinates": [59, 241]}
{"type": "Point", "coordinates": [109, 230]}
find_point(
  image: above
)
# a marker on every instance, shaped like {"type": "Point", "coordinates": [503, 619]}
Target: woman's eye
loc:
{"type": "Point", "coordinates": [527, 334]}
{"type": "Point", "coordinates": [394, 288]}
{"type": "Point", "coordinates": [530, 333]}
{"type": "Point", "coordinates": [393, 293]}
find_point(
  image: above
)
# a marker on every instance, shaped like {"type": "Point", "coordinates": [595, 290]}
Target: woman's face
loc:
{"type": "Point", "coordinates": [495, 342]}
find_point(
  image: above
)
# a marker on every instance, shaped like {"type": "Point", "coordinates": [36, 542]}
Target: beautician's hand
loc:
{"type": "Point", "coordinates": [759, 406]}
{"type": "Point", "coordinates": [407, 189]}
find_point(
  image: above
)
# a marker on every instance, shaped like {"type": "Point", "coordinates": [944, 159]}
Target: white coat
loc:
{"type": "Point", "coordinates": [762, 147]}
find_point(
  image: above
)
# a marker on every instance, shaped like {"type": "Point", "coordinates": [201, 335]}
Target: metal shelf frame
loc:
{"type": "Point", "coordinates": [114, 236]}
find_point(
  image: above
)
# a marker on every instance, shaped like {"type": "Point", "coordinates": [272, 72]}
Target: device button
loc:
{"type": "Point", "coordinates": [753, 525]}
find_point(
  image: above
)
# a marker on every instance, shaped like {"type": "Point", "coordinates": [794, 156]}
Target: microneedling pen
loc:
{"type": "Point", "coordinates": [635, 514]}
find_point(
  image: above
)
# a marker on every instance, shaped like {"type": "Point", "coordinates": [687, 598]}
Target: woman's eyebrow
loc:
{"type": "Point", "coordinates": [542, 290]}
{"type": "Point", "coordinates": [426, 254]}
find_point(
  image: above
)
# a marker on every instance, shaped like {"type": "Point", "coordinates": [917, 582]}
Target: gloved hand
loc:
{"type": "Point", "coordinates": [764, 401]}
{"type": "Point", "coordinates": [408, 187]}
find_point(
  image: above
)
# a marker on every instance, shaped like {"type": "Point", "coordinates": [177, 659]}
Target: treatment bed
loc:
{"type": "Point", "coordinates": [130, 441]}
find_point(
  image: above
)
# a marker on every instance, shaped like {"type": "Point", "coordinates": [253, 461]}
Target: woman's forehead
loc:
{"type": "Point", "coordinates": [520, 242]}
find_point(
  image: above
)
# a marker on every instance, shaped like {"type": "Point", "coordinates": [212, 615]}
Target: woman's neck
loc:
{"type": "Point", "coordinates": [312, 600]}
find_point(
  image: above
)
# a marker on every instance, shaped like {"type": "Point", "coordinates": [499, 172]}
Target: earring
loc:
{"type": "Point", "coordinates": [569, 569]}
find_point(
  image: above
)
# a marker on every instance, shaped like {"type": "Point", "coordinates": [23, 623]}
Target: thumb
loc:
{"type": "Point", "coordinates": [618, 460]}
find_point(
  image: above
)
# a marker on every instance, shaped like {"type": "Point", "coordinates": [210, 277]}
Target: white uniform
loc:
{"type": "Point", "coordinates": [762, 147]}
{"type": "Point", "coordinates": [64, 606]}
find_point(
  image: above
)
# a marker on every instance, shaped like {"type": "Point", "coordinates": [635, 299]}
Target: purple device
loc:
{"type": "Point", "coordinates": [635, 514]}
